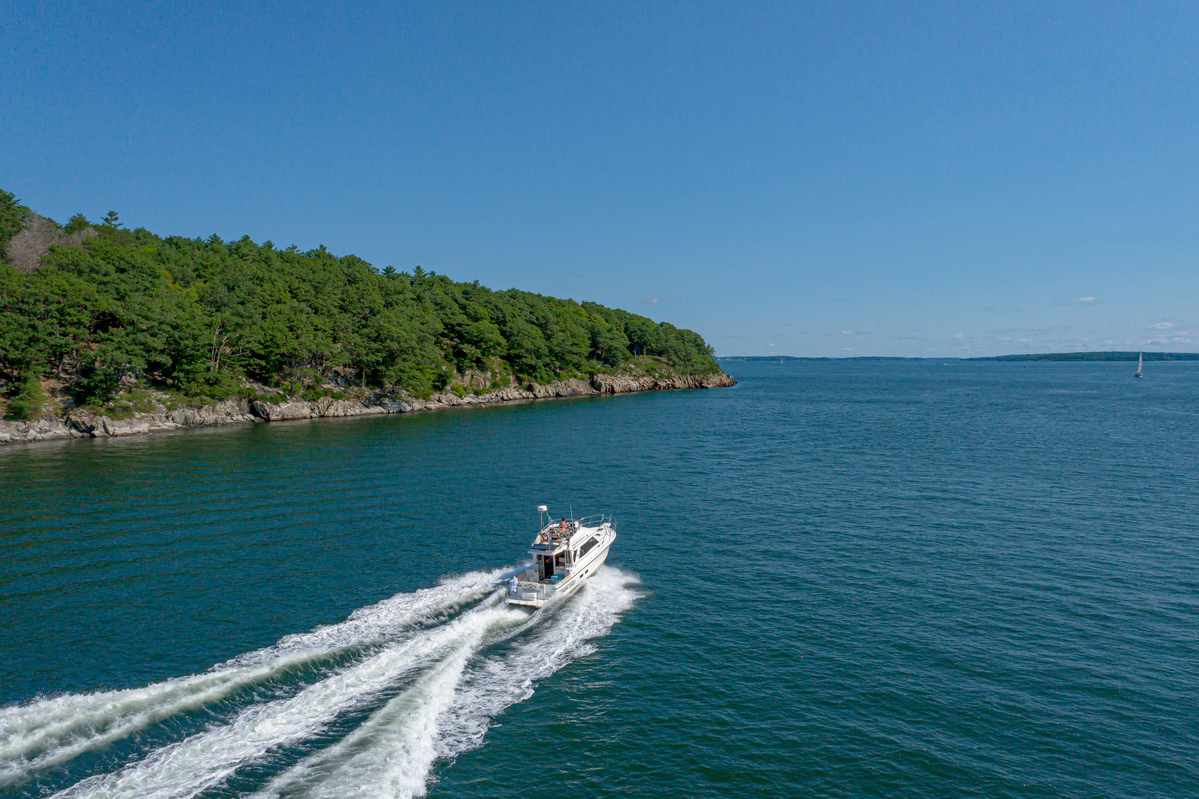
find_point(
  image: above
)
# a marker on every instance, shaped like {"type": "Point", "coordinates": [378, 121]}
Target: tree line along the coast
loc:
{"type": "Point", "coordinates": [99, 307]}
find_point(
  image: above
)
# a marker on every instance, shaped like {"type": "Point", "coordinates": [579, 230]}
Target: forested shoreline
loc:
{"type": "Point", "coordinates": [93, 310]}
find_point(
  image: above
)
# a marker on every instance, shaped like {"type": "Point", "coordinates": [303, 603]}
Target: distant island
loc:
{"type": "Point", "coordinates": [1044, 356]}
{"type": "Point", "coordinates": [101, 322]}
{"type": "Point", "coordinates": [1096, 356]}
{"type": "Point", "coordinates": [752, 358]}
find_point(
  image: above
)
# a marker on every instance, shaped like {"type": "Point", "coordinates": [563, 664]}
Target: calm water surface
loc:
{"type": "Point", "coordinates": [835, 579]}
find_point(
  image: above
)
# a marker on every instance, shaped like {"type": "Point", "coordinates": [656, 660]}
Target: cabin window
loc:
{"type": "Point", "coordinates": [590, 545]}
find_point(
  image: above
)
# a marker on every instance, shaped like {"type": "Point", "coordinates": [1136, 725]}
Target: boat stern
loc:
{"type": "Point", "coordinates": [530, 594]}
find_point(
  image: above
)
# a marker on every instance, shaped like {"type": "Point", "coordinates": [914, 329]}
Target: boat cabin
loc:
{"type": "Point", "coordinates": [564, 553]}
{"type": "Point", "coordinates": [552, 554]}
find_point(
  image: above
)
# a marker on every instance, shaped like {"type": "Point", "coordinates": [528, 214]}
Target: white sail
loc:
{"type": "Point", "coordinates": [1140, 362]}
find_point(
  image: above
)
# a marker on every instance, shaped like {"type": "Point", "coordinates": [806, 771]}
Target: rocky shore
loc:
{"type": "Point", "coordinates": [82, 423]}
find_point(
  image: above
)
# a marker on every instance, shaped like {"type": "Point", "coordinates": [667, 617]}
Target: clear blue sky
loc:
{"type": "Point", "coordinates": [794, 178]}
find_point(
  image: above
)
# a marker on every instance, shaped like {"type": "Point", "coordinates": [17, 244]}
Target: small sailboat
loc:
{"type": "Point", "coordinates": [1140, 362]}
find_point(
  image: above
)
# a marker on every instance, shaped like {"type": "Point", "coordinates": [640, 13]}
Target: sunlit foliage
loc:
{"type": "Point", "coordinates": [199, 316]}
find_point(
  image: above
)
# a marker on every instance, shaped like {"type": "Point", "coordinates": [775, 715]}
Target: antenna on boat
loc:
{"type": "Point", "coordinates": [542, 510]}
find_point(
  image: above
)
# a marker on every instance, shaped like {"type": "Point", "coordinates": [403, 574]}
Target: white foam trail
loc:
{"type": "Point", "coordinates": [445, 713]}
{"type": "Point", "coordinates": [496, 685]}
{"type": "Point", "coordinates": [382, 620]}
{"type": "Point", "coordinates": [45, 733]}
{"type": "Point", "coordinates": [205, 760]}
{"type": "Point", "coordinates": [69, 728]}
{"type": "Point", "coordinates": [392, 752]}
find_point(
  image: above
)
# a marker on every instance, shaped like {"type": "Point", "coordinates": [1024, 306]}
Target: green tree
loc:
{"type": "Point", "coordinates": [76, 223]}
{"type": "Point", "coordinates": [29, 401]}
{"type": "Point", "coordinates": [201, 314]}
{"type": "Point", "coordinates": [485, 337]}
{"type": "Point", "coordinates": [13, 217]}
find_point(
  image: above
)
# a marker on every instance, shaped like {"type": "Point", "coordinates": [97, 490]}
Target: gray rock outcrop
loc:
{"type": "Point", "coordinates": [83, 423]}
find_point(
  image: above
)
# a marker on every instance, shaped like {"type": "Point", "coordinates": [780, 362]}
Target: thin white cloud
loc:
{"type": "Point", "coordinates": [849, 332]}
{"type": "Point", "coordinates": [1087, 300]}
{"type": "Point", "coordinates": [1180, 338]}
{"type": "Point", "coordinates": [1163, 326]}
{"type": "Point", "coordinates": [959, 336]}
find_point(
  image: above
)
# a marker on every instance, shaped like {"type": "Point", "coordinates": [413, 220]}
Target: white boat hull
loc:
{"type": "Point", "coordinates": [533, 593]}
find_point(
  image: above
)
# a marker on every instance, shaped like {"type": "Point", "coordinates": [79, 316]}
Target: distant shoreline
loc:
{"type": "Point", "coordinates": [1044, 356]}
{"type": "Point", "coordinates": [83, 423]}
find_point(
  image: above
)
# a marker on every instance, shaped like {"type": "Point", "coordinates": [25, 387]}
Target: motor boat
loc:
{"type": "Point", "coordinates": [565, 553]}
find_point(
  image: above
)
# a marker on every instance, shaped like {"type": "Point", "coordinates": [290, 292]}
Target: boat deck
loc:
{"type": "Point", "coordinates": [561, 552]}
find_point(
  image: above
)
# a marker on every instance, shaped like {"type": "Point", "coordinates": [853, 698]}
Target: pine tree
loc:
{"type": "Point", "coordinates": [29, 400]}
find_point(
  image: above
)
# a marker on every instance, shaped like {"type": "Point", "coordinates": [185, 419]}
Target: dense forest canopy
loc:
{"type": "Point", "coordinates": [200, 316]}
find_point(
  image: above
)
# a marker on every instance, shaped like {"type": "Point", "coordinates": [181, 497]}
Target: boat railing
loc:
{"type": "Point", "coordinates": [555, 531]}
{"type": "Point", "coordinates": [551, 536]}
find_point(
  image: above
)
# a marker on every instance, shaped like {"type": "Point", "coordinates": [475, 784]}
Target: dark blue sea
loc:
{"type": "Point", "coordinates": [836, 579]}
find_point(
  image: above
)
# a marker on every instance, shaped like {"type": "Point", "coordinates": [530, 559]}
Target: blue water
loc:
{"type": "Point", "coordinates": [835, 579]}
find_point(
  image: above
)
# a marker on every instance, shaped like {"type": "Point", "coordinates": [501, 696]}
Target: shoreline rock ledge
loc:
{"type": "Point", "coordinates": [83, 423]}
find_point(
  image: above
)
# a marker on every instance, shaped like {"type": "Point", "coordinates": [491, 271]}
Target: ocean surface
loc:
{"type": "Point", "coordinates": [836, 579]}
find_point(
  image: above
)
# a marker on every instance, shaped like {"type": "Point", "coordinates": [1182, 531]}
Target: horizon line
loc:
{"type": "Point", "coordinates": [1072, 355]}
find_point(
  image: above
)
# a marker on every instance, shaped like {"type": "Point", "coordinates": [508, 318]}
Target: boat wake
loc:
{"type": "Point", "coordinates": [391, 691]}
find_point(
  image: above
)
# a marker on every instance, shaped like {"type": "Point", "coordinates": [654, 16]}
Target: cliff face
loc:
{"type": "Point", "coordinates": [608, 384]}
{"type": "Point", "coordinates": [82, 423]}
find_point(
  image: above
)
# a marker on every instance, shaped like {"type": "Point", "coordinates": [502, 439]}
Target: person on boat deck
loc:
{"type": "Point", "coordinates": [514, 582]}
{"type": "Point", "coordinates": [562, 527]}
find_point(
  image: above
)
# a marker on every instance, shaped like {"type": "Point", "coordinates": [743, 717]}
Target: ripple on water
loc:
{"type": "Point", "coordinates": [854, 580]}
